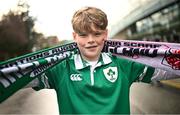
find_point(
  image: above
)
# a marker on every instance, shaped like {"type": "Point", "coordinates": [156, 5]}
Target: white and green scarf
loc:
{"type": "Point", "coordinates": [18, 72]}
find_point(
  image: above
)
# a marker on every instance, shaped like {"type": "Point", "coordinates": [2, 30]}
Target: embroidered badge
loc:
{"type": "Point", "coordinates": [111, 73]}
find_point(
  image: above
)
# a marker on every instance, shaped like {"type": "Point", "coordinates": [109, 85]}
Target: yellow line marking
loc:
{"type": "Point", "coordinates": [174, 82]}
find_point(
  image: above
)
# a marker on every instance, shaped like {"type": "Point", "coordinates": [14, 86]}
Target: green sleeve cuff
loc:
{"type": "Point", "coordinates": [148, 76]}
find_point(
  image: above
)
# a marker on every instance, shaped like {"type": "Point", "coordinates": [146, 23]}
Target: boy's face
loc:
{"type": "Point", "coordinates": [90, 44]}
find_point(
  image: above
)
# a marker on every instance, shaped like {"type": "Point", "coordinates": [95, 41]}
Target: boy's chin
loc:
{"type": "Point", "coordinates": [92, 56]}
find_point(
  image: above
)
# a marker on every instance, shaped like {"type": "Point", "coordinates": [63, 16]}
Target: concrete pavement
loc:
{"type": "Point", "coordinates": [28, 101]}
{"type": "Point", "coordinates": [149, 99]}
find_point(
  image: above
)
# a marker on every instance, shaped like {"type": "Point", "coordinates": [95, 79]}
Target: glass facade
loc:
{"type": "Point", "coordinates": [163, 25]}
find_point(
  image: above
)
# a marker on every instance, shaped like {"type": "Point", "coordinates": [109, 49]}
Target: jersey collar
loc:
{"type": "Point", "coordinates": [80, 63]}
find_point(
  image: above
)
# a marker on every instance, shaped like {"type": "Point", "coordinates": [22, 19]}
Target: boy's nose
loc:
{"type": "Point", "coordinates": [90, 38]}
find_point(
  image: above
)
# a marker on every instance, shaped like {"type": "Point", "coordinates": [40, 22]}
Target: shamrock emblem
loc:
{"type": "Point", "coordinates": [111, 73]}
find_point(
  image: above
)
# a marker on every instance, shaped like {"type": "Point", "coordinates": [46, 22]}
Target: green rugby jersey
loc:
{"type": "Point", "coordinates": [104, 89]}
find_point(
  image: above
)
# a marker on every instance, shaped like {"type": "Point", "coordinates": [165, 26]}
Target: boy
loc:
{"type": "Point", "coordinates": [91, 81]}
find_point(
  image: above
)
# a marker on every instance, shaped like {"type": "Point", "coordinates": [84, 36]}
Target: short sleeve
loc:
{"type": "Point", "coordinates": [43, 82]}
{"type": "Point", "coordinates": [140, 72]}
{"type": "Point", "coordinates": [135, 71]}
{"type": "Point", "coordinates": [52, 77]}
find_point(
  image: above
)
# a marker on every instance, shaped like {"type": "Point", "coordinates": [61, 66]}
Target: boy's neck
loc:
{"type": "Point", "coordinates": [92, 59]}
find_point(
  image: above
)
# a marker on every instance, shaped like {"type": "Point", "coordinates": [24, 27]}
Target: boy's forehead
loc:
{"type": "Point", "coordinates": [92, 31]}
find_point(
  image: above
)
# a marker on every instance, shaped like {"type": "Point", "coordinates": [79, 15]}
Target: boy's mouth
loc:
{"type": "Point", "coordinates": [89, 47]}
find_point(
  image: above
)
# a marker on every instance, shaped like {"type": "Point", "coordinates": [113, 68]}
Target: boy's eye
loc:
{"type": "Point", "coordinates": [82, 34]}
{"type": "Point", "coordinates": [97, 34]}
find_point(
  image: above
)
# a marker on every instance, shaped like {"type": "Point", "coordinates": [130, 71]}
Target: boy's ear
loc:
{"type": "Point", "coordinates": [106, 34]}
{"type": "Point", "coordinates": [74, 35]}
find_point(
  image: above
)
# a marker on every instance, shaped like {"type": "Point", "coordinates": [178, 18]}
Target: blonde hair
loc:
{"type": "Point", "coordinates": [88, 17]}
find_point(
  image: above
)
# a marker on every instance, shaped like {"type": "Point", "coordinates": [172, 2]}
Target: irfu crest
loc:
{"type": "Point", "coordinates": [111, 73]}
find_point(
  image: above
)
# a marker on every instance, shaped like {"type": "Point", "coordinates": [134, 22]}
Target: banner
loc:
{"type": "Point", "coordinates": [18, 72]}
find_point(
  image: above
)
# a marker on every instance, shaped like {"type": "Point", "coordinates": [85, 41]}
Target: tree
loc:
{"type": "Point", "coordinates": [17, 35]}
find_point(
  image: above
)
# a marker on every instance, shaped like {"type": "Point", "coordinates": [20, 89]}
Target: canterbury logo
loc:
{"type": "Point", "coordinates": [75, 77]}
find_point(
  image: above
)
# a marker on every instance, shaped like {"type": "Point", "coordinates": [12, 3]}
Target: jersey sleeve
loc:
{"type": "Point", "coordinates": [136, 71]}
{"type": "Point", "coordinates": [51, 78]}
{"type": "Point", "coordinates": [142, 74]}
{"type": "Point", "coordinates": [43, 82]}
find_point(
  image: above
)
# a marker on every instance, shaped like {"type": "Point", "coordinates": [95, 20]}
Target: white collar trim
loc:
{"type": "Point", "coordinates": [80, 65]}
